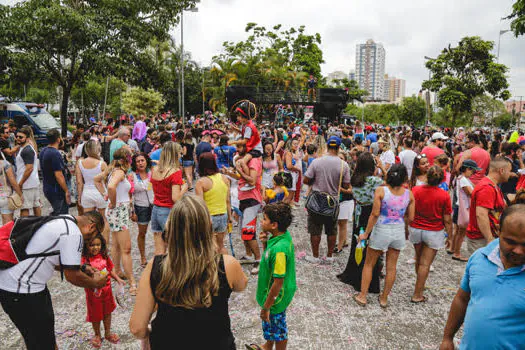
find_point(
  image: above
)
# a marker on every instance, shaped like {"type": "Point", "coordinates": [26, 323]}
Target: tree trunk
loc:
{"type": "Point", "coordinates": [66, 93]}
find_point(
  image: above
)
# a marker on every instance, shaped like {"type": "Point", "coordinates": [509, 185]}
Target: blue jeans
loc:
{"type": "Point", "coordinates": [57, 199]}
{"type": "Point", "coordinates": [159, 216]}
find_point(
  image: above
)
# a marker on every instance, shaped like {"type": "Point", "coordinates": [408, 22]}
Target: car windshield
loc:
{"type": "Point", "coordinates": [44, 120]}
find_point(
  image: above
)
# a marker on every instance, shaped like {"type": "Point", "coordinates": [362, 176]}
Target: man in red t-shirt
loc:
{"type": "Point", "coordinates": [435, 148]}
{"type": "Point", "coordinates": [486, 205]}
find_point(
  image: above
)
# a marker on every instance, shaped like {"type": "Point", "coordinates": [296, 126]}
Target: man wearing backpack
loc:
{"type": "Point", "coordinates": [41, 246]}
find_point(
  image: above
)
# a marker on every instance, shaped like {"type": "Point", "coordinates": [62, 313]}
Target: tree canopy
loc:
{"type": "Point", "coordinates": [65, 41]}
{"type": "Point", "coordinates": [139, 101]}
{"type": "Point", "coordinates": [518, 17]}
{"type": "Point", "coordinates": [461, 73]}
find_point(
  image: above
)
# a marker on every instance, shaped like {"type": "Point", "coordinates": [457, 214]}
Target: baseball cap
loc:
{"type": "Point", "coordinates": [334, 141]}
{"type": "Point", "coordinates": [438, 136]}
{"type": "Point", "coordinates": [469, 163]}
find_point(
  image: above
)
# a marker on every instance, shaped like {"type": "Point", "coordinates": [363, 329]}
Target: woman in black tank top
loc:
{"type": "Point", "coordinates": [191, 286]}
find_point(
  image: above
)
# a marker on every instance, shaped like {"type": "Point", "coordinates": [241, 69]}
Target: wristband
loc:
{"type": "Point", "coordinates": [83, 267]}
{"type": "Point", "coordinates": [265, 309]}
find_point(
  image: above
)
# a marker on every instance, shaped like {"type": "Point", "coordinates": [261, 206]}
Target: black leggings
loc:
{"type": "Point", "coordinates": [33, 315]}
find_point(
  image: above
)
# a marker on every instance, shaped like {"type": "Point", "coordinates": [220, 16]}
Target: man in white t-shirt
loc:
{"type": "Point", "coordinates": [407, 156]}
{"type": "Point", "coordinates": [23, 287]}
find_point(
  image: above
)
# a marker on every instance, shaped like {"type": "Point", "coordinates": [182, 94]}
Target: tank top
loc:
{"type": "Point", "coordinates": [270, 166]}
{"type": "Point", "coordinates": [393, 207]}
{"type": "Point", "coordinates": [217, 196]}
{"type": "Point", "coordinates": [177, 324]}
{"type": "Point", "coordinates": [89, 174]}
{"type": "Point", "coordinates": [482, 158]}
{"type": "Point", "coordinates": [294, 161]}
{"type": "Point", "coordinates": [123, 188]}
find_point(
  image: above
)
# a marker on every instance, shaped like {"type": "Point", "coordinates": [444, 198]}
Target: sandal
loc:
{"type": "Point", "coordinates": [450, 252]}
{"type": "Point", "coordinates": [133, 290]}
{"type": "Point", "coordinates": [252, 347]}
{"type": "Point", "coordinates": [462, 259]}
{"type": "Point", "coordinates": [143, 265]}
{"type": "Point", "coordinates": [96, 342]}
{"type": "Point", "coordinates": [359, 302]}
{"type": "Point", "coordinates": [337, 250]}
{"type": "Point", "coordinates": [113, 338]}
{"type": "Point", "coordinates": [122, 276]}
{"type": "Point", "coordinates": [418, 301]}
{"type": "Point", "coordinates": [385, 305]}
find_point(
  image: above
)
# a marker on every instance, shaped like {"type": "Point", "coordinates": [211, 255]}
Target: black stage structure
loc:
{"type": "Point", "coordinates": [328, 103]}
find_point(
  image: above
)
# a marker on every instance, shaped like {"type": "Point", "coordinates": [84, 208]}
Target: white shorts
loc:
{"type": "Point", "coordinates": [387, 236]}
{"type": "Point", "coordinates": [346, 210]}
{"type": "Point", "coordinates": [31, 198]}
{"type": "Point", "coordinates": [432, 239]}
{"type": "Point", "coordinates": [4, 206]}
{"type": "Point", "coordinates": [91, 198]}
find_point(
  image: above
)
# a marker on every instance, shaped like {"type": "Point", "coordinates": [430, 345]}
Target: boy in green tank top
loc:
{"type": "Point", "coordinates": [276, 284]}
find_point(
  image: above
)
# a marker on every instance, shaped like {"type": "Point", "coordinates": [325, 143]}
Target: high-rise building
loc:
{"type": "Point", "coordinates": [370, 69]}
{"type": "Point", "coordinates": [394, 89]}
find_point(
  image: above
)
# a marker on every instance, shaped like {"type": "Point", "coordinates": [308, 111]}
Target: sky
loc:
{"type": "Point", "coordinates": [408, 30]}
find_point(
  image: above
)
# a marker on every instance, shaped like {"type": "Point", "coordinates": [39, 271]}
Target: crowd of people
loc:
{"type": "Point", "coordinates": [369, 188]}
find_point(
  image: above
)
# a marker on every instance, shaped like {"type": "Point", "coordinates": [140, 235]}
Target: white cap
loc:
{"type": "Point", "coordinates": [438, 136]}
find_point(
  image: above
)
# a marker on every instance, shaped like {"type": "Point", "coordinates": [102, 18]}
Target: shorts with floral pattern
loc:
{"type": "Point", "coordinates": [277, 329]}
{"type": "Point", "coordinates": [119, 217]}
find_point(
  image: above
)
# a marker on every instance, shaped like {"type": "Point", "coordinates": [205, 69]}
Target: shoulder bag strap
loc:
{"type": "Point", "coordinates": [340, 178]}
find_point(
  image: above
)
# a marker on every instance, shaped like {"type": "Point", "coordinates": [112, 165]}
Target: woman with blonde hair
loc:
{"type": "Point", "coordinates": [86, 170]}
{"type": "Point", "coordinates": [118, 212]}
{"type": "Point", "coordinates": [190, 284]}
{"type": "Point", "coordinates": [168, 188]}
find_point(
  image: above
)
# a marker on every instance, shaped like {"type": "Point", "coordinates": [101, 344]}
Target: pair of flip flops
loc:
{"type": "Point", "coordinates": [96, 341]}
{"type": "Point", "coordinates": [252, 347]}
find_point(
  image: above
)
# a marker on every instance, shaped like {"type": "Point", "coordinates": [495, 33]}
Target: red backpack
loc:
{"type": "Point", "coordinates": [16, 235]}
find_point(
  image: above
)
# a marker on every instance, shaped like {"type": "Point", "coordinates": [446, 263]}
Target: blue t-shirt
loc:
{"type": "Point", "coordinates": [372, 137]}
{"type": "Point", "coordinates": [495, 317]}
{"type": "Point", "coordinates": [201, 148]}
{"type": "Point", "coordinates": [50, 161]}
{"type": "Point", "coordinates": [225, 155]}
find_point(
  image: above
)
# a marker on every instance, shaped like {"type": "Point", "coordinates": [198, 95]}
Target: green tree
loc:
{"type": "Point", "coordinates": [354, 92]}
{"type": "Point", "coordinates": [503, 121]}
{"type": "Point", "coordinates": [65, 41]}
{"type": "Point", "coordinates": [138, 101]}
{"type": "Point", "coordinates": [518, 17]}
{"type": "Point", "coordinates": [413, 110]}
{"type": "Point", "coordinates": [459, 74]}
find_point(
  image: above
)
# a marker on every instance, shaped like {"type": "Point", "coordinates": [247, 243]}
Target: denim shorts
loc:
{"type": "Point", "coordinates": [432, 239]}
{"type": "Point", "coordinates": [159, 216]}
{"type": "Point", "coordinates": [187, 163]}
{"type": "Point", "coordinates": [386, 236]}
{"type": "Point", "coordinates": [219, 223]}
{"type": "Point", "coordinates": [143, 214]}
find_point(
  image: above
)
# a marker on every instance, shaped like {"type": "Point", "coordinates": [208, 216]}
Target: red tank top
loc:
{"type": "Point", "coordinates": [255, 139]}
{"type": "Point", "coordinates": [482, 158]}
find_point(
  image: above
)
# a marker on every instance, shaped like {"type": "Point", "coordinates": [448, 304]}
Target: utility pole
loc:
{"type": "Point", "coordinates": [105, 100]}
{"type": "Point", "coordinates": [520, 111]}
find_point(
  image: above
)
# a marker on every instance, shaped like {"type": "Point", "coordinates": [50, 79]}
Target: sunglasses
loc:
{"type": "Point", "coordinates": [423, 155]}
{"type": "Point", "coordinates": [20, 137]}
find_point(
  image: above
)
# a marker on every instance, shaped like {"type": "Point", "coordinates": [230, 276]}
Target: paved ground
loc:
{"type": "Point", "coordinates": [322, 315]}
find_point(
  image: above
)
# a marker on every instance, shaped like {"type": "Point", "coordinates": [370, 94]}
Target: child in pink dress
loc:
{"type": "Point", "coordinates": [100, 302]}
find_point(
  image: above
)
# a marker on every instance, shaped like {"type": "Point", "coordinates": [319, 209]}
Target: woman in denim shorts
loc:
{"type": "Point", "coordinates": [427, 230]}
{"type": "Point", "coordinates": [386, 229]}
{"type": "Point", "coordinates": [214, 188]}
{"type": "Point", "coordinates": [142, 200]}
{"type": "Point", "coordinates": [168, 188]}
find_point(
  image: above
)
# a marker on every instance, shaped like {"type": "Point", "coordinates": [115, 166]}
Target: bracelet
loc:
{"type": "Point", "coordinates": [265, 309]}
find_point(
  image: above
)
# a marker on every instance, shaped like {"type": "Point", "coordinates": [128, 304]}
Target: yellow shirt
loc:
{"type": "Point", "coordinates": [217, 197]}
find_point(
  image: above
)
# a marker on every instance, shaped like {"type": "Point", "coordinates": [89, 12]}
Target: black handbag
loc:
{"type": "Point", "coordinates": [324, 204]}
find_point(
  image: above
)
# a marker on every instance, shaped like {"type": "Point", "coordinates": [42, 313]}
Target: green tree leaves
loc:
{"type": "Point", "coordinates": [138, 101]}
{"type": "Point", "coordinates": [459, 74]}
{"type": "Point", "coordinates": [518, 17]}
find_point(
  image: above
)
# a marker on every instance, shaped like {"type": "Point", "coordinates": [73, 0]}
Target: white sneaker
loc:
{"type": "Point", "coordinates": [329, 260]}
{"type": "Point", "coordinates": [246, 187]}
{"type": "Point", "coordinates": [411, 261]}
{"type": "Point", "coordinates": [431, 268]}
{"type": "Point", "coordinates": [312, 259]}
{"type": "Point", "coordinates": [247, 259]}
{"type": "Point", "coordinates": [255, 269]}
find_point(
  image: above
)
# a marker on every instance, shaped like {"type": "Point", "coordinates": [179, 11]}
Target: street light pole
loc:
{"type": "Point", "coordinates": [182, 60]}
{"type": "Point", "coordinates": [427, 99]}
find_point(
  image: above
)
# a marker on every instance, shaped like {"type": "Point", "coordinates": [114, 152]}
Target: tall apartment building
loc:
{"type": "Point", "coordinates": [337, 75]}
{"type": "Point", "coordinates": [351, 75]}
{"type": "Point", "coordinates": [370, 69]}
{"type": "Point", "coordinates": [394, 89]}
